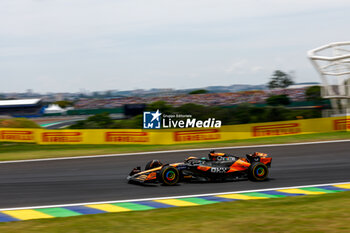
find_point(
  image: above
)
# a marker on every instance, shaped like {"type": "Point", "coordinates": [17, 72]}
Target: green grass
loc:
{"type": "Point", "coordinates": [318, 213]}
{"type": "Point", "coordinates": [18, 123]}
{"type": "Point", "coordinates": [16, 151]}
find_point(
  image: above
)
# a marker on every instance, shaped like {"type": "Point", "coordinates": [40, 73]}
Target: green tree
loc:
{"type": "Point", "coordinates": [197, 111]}
{"type": "Point", "coordinates": [276, 113]}
{"type": "Point", "coordinates": [133, 123]}
{"type": "Point", "coordinates": [242, 114]}
{"type": "Point", "coordinates": [280, 79]}
{"type": "Point", "coordinates": [200, 91]}
{"type": "Point", "coordinates": [313, 93]}
{"type": "Point", "coordinates": [276, 100]}
{"type": "Point", "coordinates": [304, 114]}
{"type": "Point", "coordinates": [98, 121]}
{"type": "Point", "coordinates": [161, 105]}
{"type": "Point", "coordinates": [63, 103]}
{"type": "Point", "coordinates": [257, 114]}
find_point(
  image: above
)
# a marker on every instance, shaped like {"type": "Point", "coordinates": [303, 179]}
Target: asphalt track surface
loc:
{"type": "Point", "coordinates": [103, 179]}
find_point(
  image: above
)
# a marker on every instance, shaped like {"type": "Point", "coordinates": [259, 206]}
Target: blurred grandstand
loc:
{"type": "Point", "coordinates": [128, 106]}
{"type": "Point", "coordinates": [296, 93]}
{"type": "Point", "coordinates": [22, 107]}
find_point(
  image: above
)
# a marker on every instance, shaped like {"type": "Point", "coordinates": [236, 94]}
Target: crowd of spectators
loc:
{"type": "Point", "coordinates": [209, 99]}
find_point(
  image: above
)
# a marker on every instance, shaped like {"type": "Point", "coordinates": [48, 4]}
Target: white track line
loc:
{"type": "Point", "coordinates": [170, 197]}
{"type": "Point", "coordinates": [170, 151]}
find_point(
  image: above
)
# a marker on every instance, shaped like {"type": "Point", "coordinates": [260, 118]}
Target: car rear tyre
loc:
{"type": "Point", "coordinates": [169, 175]}
{"type": "Point", "coordinates": [258, 172]}
{"type": "Point", "coordinates": [153, 164]}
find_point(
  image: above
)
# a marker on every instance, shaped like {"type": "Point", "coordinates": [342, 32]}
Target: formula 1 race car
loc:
{"type": "Point", "coordinates": [217, 167]}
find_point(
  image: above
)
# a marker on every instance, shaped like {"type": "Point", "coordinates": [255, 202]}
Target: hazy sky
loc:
{"type": "Point", "coordinates": [68, 45]}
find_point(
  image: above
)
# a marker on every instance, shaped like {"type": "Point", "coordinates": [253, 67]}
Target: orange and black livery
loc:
{"type": "Point", "coordinates": [214, 167]}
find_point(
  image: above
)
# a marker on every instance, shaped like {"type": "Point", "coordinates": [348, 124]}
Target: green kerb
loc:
{"type": "Point", "coordinates": [199, 201]}
{"type": "Point", "coordinates": [133, 206]}
{"type": "Point", "coordinates": [314, 189]}
{"type": "Point", "coordinates": [58, 212]}
{"type": "Point", "coordinates": [257, 194]}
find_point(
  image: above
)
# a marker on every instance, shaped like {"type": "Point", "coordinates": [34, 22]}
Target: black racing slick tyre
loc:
{"type": "Point", "coordinates": [153, 164]}
{"type": "Point", "coordinates": [169, 175]}
{"type": "Point", "coordinates": [258, 172]}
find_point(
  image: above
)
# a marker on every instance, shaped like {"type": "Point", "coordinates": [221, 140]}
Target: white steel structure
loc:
{"type": "Point", "coordinates": [332, 61]}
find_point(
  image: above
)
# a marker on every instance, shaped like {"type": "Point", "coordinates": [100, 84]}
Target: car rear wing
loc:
{"type": "Point", "coordinates": [260, 154]}
{"type": "Point", "coordinates": [260, 157]}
